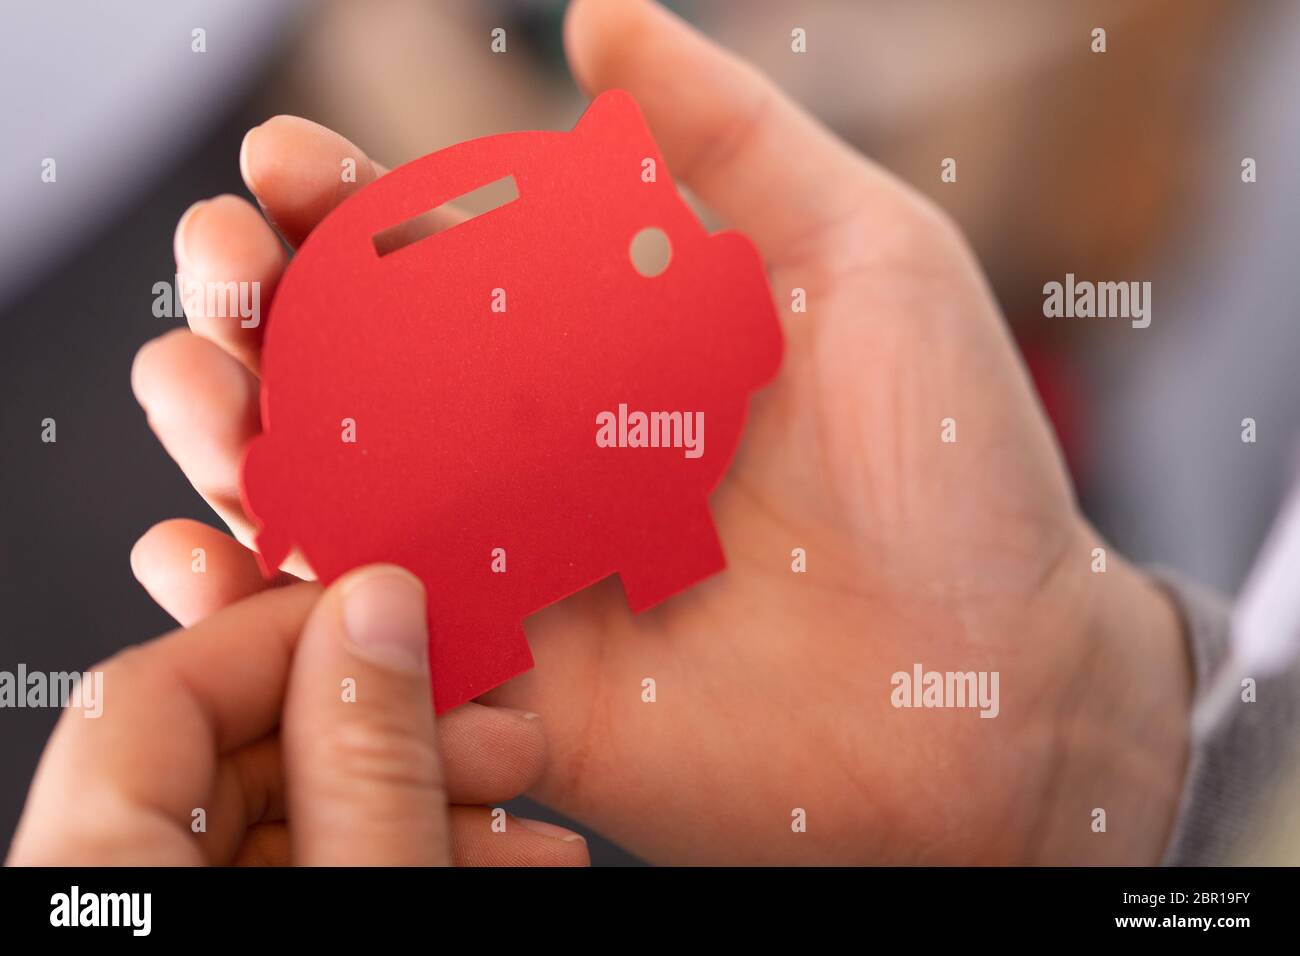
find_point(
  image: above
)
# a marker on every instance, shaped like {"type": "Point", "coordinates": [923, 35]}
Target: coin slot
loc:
{"type": "Point", "coordinates": [454, 212]}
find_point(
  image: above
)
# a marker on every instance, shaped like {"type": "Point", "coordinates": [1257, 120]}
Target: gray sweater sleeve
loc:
{"type": "Point", "coordinates": [1236, 771]}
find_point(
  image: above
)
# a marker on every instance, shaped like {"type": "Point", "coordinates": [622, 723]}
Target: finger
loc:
{"type": "Point", "coordinates": [364, 779]}
{"type": "Point", "coordinates": [266, 844]}
{"type": "Point", "coordinates": [230, 670]}
{"type": "Point", "coordinates": [248, 793]}
{"type": "Point", "coordinates": [228, 261]}
{"type": "Point", "coordinates": [122, 785]}
{"type": "Point", "coordinates": [296, 169]}
{"type": "Point", "coordinates": [203, 406]}
{"type": "Point", "coordinates": [490, 754]}
{"type": "Point", "coordinates": [192, 570]}
{"type": "Point", "coordinates": [474, 842]}
{"type": "Point", "coordinates": [759, 160]}
{"type": "Point", "coordinates": [300, 170]}
{"type": "Point", "coordinates": [489, 837]}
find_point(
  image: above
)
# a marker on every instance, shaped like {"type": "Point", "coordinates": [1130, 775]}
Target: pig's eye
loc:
{"type": "Point", "coordinates": [650, 251]}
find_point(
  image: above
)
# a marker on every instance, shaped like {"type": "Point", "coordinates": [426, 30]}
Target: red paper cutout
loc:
{"type": "Point", "coordinates": [475, 429]}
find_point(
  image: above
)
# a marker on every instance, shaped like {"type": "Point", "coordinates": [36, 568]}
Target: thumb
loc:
{"type": "Point", "coordinates": [767, 167]}
{"type": "Point", "coordinates": [363, 779]}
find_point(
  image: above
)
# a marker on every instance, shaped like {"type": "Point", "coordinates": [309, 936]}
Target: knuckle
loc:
{"type": "Point", "coordinates": [381, 752]}
{"type": "Point", "coordinates": [131, 667]}
{"type": "Point", "coordinates": [925, 227]}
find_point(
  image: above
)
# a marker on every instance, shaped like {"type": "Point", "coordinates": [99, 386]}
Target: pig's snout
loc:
{"type": "Point", "coordinates": [759, 345]}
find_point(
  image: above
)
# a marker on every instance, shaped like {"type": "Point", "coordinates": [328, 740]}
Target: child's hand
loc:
{"type": "Point", "coordinates": [292, 727]}
{"type": "Point", "coordinates": [773, 687]}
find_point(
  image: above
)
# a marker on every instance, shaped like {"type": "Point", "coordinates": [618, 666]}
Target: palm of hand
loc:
{"type": "Point", "coordinates": [772, 687]}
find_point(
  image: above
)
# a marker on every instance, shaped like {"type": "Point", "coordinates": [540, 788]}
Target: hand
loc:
{"type": "Point", "coordinates": [294, 726]}
{"type": "Point", "coordinates": [773, 687]}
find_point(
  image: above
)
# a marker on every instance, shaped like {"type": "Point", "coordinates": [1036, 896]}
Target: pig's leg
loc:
{"type": "Point", "coordinates": [470, 653]}
{"type": "Point", "coordinates": [682, 550]}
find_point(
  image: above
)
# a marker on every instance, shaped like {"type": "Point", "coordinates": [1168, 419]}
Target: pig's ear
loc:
{"type": "Point", "coordinates": [613, 115]}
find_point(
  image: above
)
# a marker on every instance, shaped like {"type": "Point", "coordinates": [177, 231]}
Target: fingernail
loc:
{"type": "Point", "coordinates": [384, 617]}
{"type": "Point", "coordinates": [186, 223]}
{"type": "Point", "coordinates": [245, 169]}
{"type": "Point", "coordinates": [542, 828]}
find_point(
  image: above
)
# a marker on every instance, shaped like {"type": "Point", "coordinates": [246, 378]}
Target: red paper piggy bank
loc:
{"type": "Point", "coordinates": [508, 407]}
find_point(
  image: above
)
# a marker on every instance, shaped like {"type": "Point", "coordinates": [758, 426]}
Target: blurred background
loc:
{"type": "Point", "coordinates": [1122, 166]}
